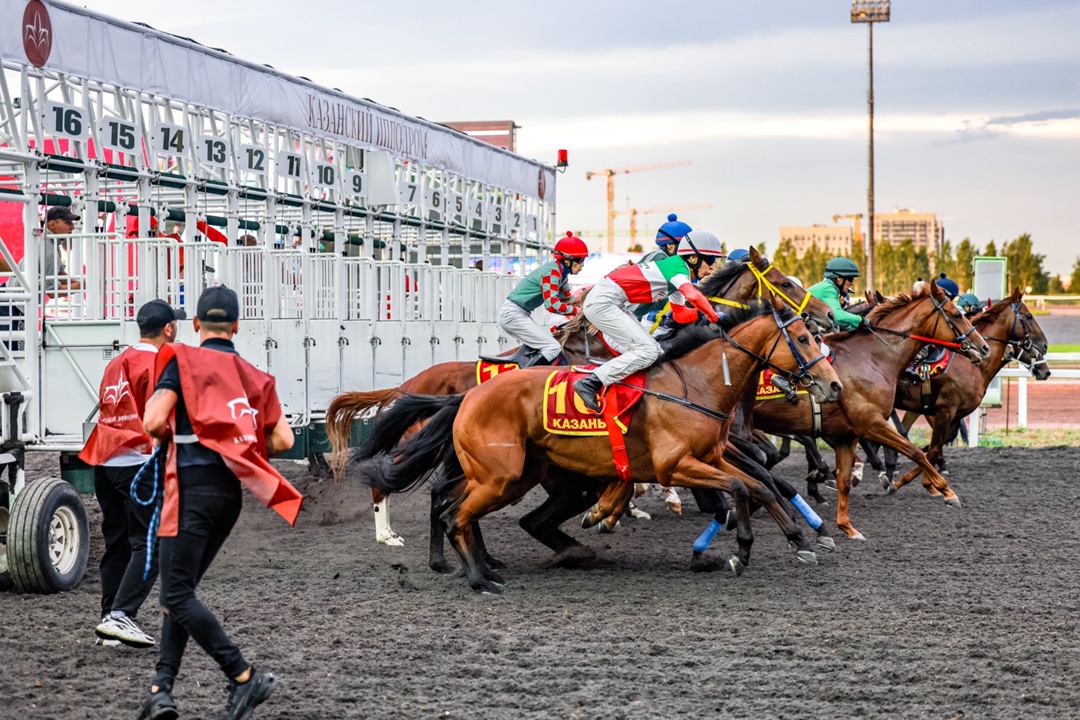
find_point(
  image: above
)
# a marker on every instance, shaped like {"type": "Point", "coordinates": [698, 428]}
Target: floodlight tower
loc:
{"type": "Point", "coordinates": [870, 12]}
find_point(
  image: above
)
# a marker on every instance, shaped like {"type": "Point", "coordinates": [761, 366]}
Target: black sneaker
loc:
{"type": "Point", "coordinates": [158, 706]}
{"type": "Point", "coordinates": [244, 697]}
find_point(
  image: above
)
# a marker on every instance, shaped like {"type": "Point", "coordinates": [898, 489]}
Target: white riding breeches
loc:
{"type": "Point", "coordinates": [606, 308]}
{"type": "Point", "coordinates": [519, 324]}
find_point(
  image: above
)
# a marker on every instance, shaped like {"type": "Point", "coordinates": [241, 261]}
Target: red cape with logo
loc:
{"type": "Point", "coordinates": [232, 406]}
{"type": "Point", "coordinates": [125, 387]}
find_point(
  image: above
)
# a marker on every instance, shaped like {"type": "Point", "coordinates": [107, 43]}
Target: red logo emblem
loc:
{"type": "Point", "coordinates": [541, 184]}
{"type": "Point", "coordinates": [37, 33]}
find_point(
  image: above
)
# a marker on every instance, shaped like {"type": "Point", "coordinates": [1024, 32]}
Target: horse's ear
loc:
{"type": "Point", "coordinates": [936, 292]}
{"type": "Point", "coordinates": [755, 256]}
{"type": "Point", "coordinates": [777, 304]}
{"type": "Point", "coordinates": [1017, 294]}
{"type": "Point", "coordinates": [879, 297]}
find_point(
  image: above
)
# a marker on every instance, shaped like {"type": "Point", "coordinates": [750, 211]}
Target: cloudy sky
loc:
{"type": "Point", "coordinates": [977, 101]}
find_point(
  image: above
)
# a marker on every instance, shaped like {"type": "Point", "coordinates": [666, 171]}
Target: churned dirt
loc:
{"type": "Point", "coordinates": [941, 613]}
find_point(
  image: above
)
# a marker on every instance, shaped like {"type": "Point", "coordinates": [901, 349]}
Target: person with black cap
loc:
{"type": "Point", "coordinates": [117, 447]}
{"type": "Point", "coordinates": [58, 221]}
{"type": "Point", "coordinates": [221, 418]}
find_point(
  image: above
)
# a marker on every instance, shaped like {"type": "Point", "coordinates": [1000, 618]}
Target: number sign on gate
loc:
{"type": "Point", "coordinates": [326, 176]}
{"type": "Point", "coordinates": [67, 121]}
{"type": "Point", "coordinates": [291, 166]}
{"type": "Point", "coordinates": [214, 151]}
{"type": "Point", "coordinates": [356, 183]}
{"type": "Point", "coordinates": [457, 207]}
{"type": "Point", "coordinates": [436, 200]}
{"type": "Point", "coordinates": [252, 159]}
{"type": "Point", "coordinates": [170, 139]}
{"type": "Point", "coordinates": [118, 135]}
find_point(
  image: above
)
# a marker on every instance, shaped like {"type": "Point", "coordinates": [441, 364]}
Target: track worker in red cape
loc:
{"type": "Point", "coordinates": [222, 419]}
{"type": "Point", "coordinates": [117, 448]}
{"type": "Point", "coordinates": [607, 304]}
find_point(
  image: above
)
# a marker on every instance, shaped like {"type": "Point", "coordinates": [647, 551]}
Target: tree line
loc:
{"type": "Point", "coordinates": [897, 267]}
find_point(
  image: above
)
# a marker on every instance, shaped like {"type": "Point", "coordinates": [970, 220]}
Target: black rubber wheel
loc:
{"type": "Point", "coordinates": [5, 575]}
{"type": "Point", "coordinates": [48, 537]}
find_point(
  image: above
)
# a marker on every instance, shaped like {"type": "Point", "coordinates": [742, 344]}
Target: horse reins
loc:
{"type": "Point", "coordinates": [961, 338]}
{"type": "Point", "coordinates": [1026, 345]}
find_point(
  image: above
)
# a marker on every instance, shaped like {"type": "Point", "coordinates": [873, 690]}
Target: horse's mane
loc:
{"type": "Point", "coordinates": [576, 323]}
{"type": "Point", "coordinates": [990, 314]}
{"type": "Point", "coordinates": [690, 337]}
{"type": "Point", "coordinates": [884, 308]}
{"type": "Point", "coordinates": [717, 282]}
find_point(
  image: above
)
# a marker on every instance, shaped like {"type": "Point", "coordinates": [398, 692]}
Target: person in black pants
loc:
{"type": "Point", "coordinates": [238, 403]}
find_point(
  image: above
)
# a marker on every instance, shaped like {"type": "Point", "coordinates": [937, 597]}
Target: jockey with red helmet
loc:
{"type": "Point", "coordinates": [606, 307]}
{"type": "Point", "coordinates": [547, 285]}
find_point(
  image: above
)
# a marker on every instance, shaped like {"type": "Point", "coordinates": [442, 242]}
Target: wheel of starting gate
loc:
{"type": "Point", "coordinates": [5, 574]}
{"type": "Point", "coordinates": [48, 537]}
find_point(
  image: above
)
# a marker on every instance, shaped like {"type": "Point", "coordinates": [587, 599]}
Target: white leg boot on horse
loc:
{"type": "Point", "coordinates": [673, 501]}
{"type": "Point", "coordinates": [383, 532]}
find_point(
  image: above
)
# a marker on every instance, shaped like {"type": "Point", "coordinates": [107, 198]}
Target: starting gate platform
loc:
{"type": "Point", "coordinates": [347, 228]}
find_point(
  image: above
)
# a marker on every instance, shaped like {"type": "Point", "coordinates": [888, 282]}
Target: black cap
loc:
{"type": "Point", "coordinates": [156, 314]}
{"type": "Point", "coordinates": [218, 304]}
{"type": "Point", "coordinates": [59, 212]}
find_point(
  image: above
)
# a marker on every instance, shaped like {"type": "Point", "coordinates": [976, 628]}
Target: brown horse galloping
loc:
{"type": "Point", "coordinates": [869, 364]}
{"type": "Point", "coordinates": [500, 448]}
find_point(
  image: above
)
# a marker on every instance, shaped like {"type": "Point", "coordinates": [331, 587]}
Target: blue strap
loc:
{"type": "Point", "coordinates": [812, 518]}
{"type": "Point", "coordinates": [156, 498]}
{"type": "Point", "coordinates": [705, 539]}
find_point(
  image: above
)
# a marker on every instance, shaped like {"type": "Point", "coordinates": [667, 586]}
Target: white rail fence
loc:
{"type": "Point", "coordinates": [1022, 397]}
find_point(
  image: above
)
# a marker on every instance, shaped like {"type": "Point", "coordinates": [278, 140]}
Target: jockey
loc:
{"type": "Point", "coordinates": [840, 273]}
{"type": "Point", "coordinates": [969, 303]}
{"type": "Point", "coordinates": [547, 285]}
{"type": "Point", "coordinates": [667, 238]}
{"type": "Point", "coordinates": [738, 255]}
{"type": "Point", "coordinates": [646, 282]}
{"type": "Point", "coordinates": [948, 286]}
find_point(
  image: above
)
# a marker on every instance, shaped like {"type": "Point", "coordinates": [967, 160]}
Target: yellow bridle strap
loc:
{"type": "Point", "coordinates": [714, 300]}
{"type": "Point", "coordinates": [763, 282]}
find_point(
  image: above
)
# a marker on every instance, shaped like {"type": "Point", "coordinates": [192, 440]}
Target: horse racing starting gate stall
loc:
{"type": "Point", "coordinates": [348, 230]}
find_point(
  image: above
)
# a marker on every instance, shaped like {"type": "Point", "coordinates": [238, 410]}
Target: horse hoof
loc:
{"type": "Point", "coordinates": [891, 488]}
{"type": "Point", "coordinates": [883, 477]}
{"type": "Point", "coordinates": [489, 588]}
{"type": "Point", "coordinates": [953, 502]}
{"type": "Point", "coordinates": [856, 473]}
{"type": "Point", "coordinates": [830, 483]}
{"type": "Point", "coordinates": [442, 567]}
{"type": "Point", "coordinates": [736, 566]}
{"type": "Point", "coordinates": [807, 557]}
{"type": "Point", "coordinates": [857, 536]}
{"type": "Point", "coordinates": [588, 519]}
{"type": "Point", "coordinates": [824, 541]}
{"type": "Point", "coordinates": [392, 539]}
{"type": "Point", "coordinates": [607, 525]}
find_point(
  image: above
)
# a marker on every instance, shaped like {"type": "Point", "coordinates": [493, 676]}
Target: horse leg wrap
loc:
{"type": "Point", "coordinates": [808, 513]}
{"type": "Point", "coordinates": [705, 539]}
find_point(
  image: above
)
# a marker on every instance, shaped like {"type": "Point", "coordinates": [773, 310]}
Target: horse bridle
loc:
{"type": "Point", "coordinates": [962, 344]}
{"type": "Point", "coordinates": [786, 380]}
{"type": "Point", "coordinates": [1020, 347]}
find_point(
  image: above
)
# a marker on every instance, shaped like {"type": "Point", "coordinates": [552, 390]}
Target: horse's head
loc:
{"type": "Point", "coordinates": [945, 322]}
{"type": "Point", "coordinates": [1026, 341]}
{"type": "Point", "coordinates": [775, 284]}
{"type": "Point", "coordinates": [796, 358]}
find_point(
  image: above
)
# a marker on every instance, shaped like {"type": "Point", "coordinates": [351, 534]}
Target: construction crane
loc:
{"type": "Point", "coordinates": [610, 174]}
{"type": "Point", "coordinates": [634, 212]}
{"type": "Point", "coordinates": [857, 217]}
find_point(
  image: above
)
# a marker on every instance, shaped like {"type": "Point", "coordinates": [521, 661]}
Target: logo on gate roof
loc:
{"type": "Point", "coordinates": [37, 33]}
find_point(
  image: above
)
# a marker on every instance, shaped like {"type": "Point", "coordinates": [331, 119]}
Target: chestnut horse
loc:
{"type": "Point", "coordinates": [869, 362]}
{"type": "Point", "coordinates": [957, 392]}
{"type": "Point", "coordinates": [733, 286]}
{"type": "Point", "coordinates": [494, 448]}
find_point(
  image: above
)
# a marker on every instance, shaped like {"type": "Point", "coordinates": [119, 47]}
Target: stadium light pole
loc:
{"type": "Point", "coordinates": [870, 12]}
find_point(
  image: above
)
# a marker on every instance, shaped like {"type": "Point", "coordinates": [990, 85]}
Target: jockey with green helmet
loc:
{"type": "Point", "coordinates": [547, 285]}
{"type": "Point", "coordinates": [606, 307]}
{"type": "Point", "coordinates": [840, 273]}
{"type": "Point", "coordinates": [969, 303]}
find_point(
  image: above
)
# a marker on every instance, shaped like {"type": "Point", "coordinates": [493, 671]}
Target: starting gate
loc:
{"type": "Point", "coordinates": [347, 228]}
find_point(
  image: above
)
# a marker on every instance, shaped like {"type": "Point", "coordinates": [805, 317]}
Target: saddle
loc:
{"type": "Point", "coordinates": [931, 360]}
{"type": "Point", "coordinates": [523, 358]}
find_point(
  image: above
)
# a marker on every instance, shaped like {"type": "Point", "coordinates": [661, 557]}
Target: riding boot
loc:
{"type": "Point", "coordinates": [588, 389]}
{"type": "Point", "coordinates": [533, 358]}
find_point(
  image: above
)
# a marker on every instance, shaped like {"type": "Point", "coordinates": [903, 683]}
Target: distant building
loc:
{"type": "Point", "coordinates": [923, 229]}
{"type": "Point", "coordinates": [833, 239]}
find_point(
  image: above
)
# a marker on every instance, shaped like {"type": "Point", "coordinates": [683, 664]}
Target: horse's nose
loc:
{"type": "Point", "coordinates": [836, 388]}
{"type": "Point", "coordinates": [985, 350]}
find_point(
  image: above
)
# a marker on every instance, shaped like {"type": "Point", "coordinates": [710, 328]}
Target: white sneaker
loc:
{"type": "Point", "coordinates": [124, 629]}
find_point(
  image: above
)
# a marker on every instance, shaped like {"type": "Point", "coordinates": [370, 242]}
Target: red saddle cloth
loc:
{"type": "Point", "coordinates": [566, 414]}
{"type": "Point", "coordinates": [767, 391]}
{"type": "Point", "coordinates": [486, 370]}
{"type": "Point", "coordinates": [929, 370]}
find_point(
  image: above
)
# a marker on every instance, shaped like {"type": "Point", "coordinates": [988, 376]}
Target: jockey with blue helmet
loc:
{"type": "Point", "coordinates": [738, 255]}
{"type": "Point", "coordinates": [948, 286]}
{"type": "Point", "coordinates": [840, 273]}
{"type": "Point", "coordinates": [667, 241]}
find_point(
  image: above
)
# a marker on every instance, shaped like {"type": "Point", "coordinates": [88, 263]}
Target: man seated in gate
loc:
{"type": "Point", "coordinates": [606, 307]}
{"type": "Point", "coordinates": [547, 285]}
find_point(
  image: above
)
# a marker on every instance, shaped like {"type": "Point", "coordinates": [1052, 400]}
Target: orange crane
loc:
{"type": "Point", "coordinates": [634, 212]}
{"type": "Point", "coordinates": [610, 174]}
{"type": "Point", "coordinates": [857, 217]}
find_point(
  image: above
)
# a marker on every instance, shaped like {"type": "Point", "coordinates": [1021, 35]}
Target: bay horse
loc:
{"type": "Point", "coordinates": [958, 391]}
{"type": "Point", "coordinates": [494, 448]}
{"type": "Point", "coordinates": [730, 287]}
{"type": "Point", "coordinates": [869, 362]}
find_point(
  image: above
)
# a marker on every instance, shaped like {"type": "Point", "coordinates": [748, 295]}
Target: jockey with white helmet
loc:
{"type": "Point", "coordinates": [547, 285]}
{"type": "Point", "coordinates": [606, 307]}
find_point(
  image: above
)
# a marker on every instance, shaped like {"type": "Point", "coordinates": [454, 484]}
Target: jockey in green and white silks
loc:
{"type": "Point", "coordinates": [840, 273]}
{"type": "Point", "coordinates": [547, 285]}
{"type": "Point", "coordinates": [607, 307]}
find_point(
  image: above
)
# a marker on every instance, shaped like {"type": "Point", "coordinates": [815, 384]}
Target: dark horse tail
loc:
{"type": "Point", "coordinates": [425, 450]}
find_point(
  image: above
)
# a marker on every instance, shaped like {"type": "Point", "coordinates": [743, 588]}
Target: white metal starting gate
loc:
{"type": "Point", "coordinates": [348, 229]}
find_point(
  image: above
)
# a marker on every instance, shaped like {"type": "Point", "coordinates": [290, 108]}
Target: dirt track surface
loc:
{"type": "Point", "coordinates": [941, 613]}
